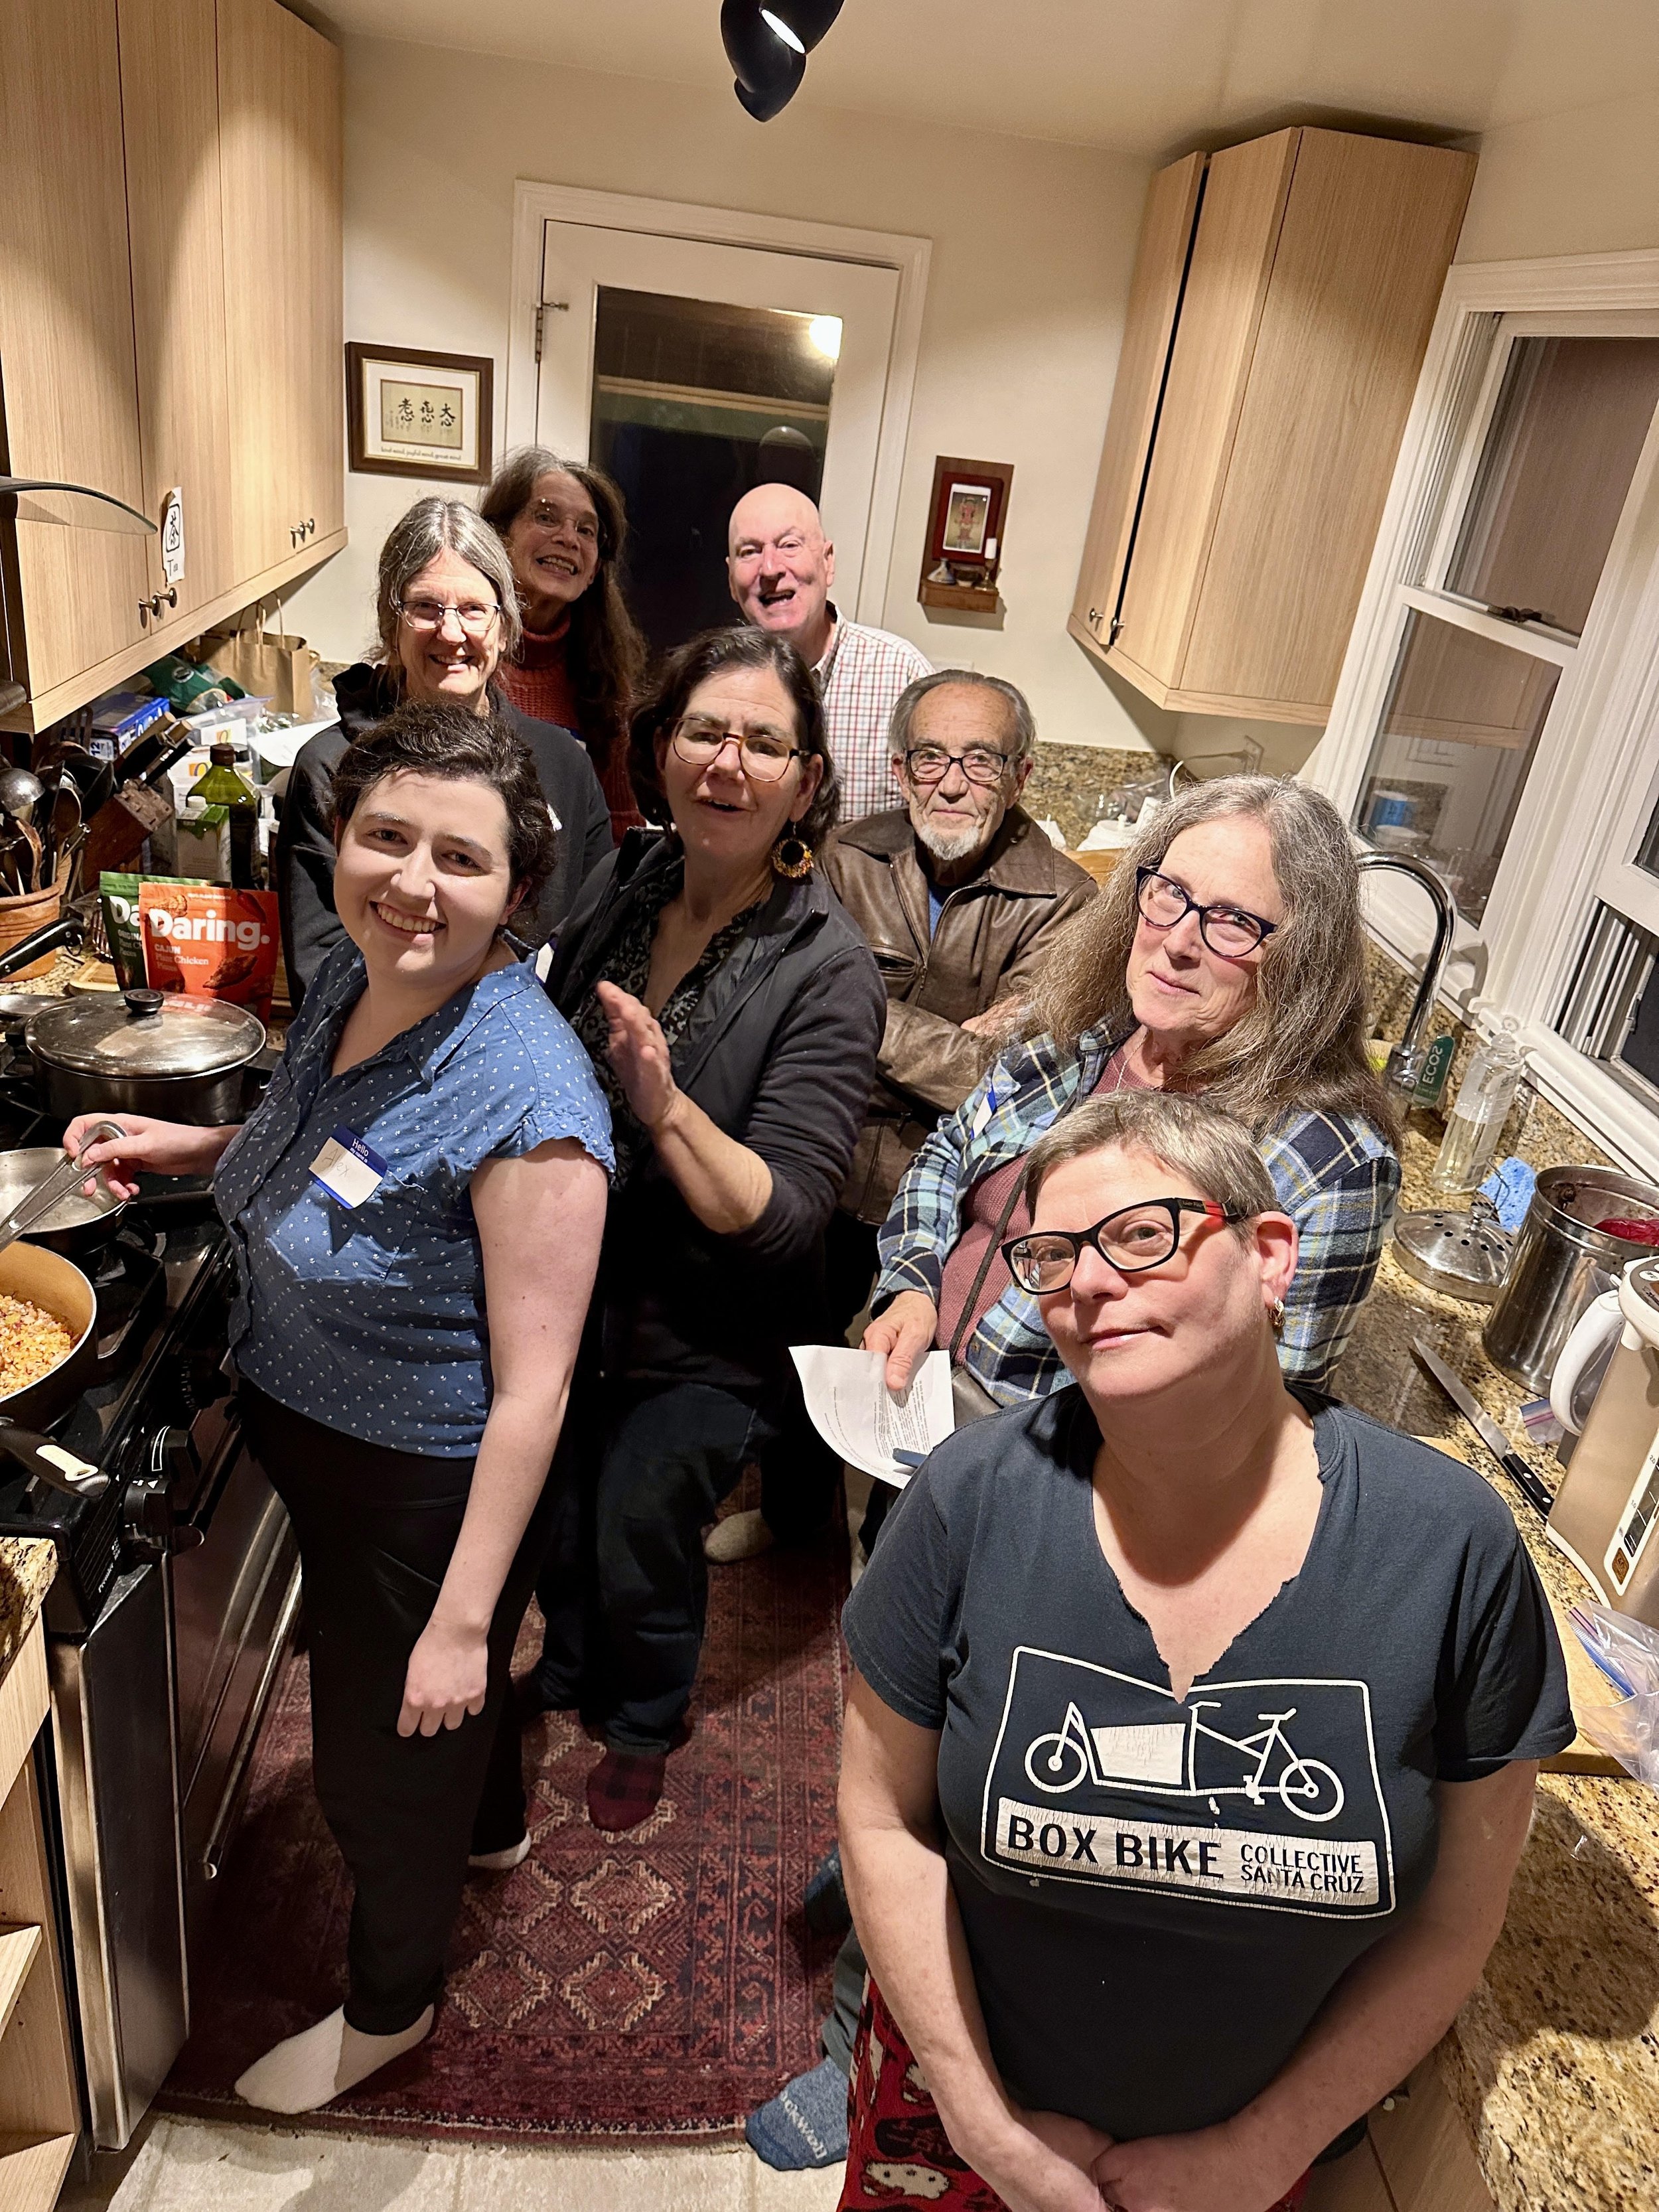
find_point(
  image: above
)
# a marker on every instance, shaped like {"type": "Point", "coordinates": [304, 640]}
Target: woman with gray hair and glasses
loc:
{"type": "Point", "coordinates": [446, 610]}
{"type": "Point", "coordinates": [1191, 1745]}
{"type": "Point", "coordinates": [1226, 958]}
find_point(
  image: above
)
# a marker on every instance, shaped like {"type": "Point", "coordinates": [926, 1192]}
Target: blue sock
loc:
{"type": "Point", "coordinates": [806, 2124]}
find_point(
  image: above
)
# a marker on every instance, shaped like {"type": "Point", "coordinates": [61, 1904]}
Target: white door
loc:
{"type": "Point", "coordinates": [691, 371]}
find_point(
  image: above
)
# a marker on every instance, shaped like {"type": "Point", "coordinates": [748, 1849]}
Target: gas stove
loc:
{"type": "Point", "coordinates": [145, 1421]}
{"type": "Point", "coordinates": [174, 1603]}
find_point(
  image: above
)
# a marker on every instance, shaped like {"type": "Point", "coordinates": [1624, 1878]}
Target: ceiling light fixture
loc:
{"type": "Point", "coordinates": [824, 331]}
{"type": "Point", "coordinates": [768, 46]}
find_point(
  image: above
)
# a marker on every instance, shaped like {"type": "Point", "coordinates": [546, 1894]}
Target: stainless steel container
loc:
{"type": "Point", "coordinates": [146, 1052]}
{"type": "Point", "coordinates": [1562, 1260]}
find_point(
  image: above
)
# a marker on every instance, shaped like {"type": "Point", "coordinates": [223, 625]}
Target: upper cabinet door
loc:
{"type": "Point", "coordinates": [66, 344]}
{"type": "Point", "coordinates": [1166, 232]}
{"type": "Point", "coordinates": [170, 103]}
{"type": "Point", "coordinates": [279, 150]}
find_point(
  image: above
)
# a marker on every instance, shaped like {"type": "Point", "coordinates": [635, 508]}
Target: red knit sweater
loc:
{"type": "Point", "coordinates": [538, 685]}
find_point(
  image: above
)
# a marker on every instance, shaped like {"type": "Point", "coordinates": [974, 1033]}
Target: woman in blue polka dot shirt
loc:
{"type": "Point", "coordinates": [434, 1130]}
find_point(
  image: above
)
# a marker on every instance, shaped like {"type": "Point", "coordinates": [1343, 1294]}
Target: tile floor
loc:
{"type": "Point", "coordinates": [200, 2166]}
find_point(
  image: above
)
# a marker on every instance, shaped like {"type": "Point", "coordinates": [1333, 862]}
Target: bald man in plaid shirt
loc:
{"type": "Point", "coordinates": [781, 566]}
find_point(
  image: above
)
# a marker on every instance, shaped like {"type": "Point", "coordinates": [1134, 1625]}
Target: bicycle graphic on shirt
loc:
{"type": "Point", "coordinates": [1160, 1760]}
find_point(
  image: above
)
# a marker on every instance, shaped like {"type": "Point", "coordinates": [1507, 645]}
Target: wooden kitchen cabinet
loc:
{"type": "Point", "coordinates": [170, 314]}
{"type": "Point", "coordinates": [279, 151]}
{"type": "Point", "coordinates": [69, 377]}
{"type": "Point", "coordinates": [40, 2102]}
{"type": "Point", "coordinates": [1280, 306]}
{"type": "Point", "coordinates": [170, 104]}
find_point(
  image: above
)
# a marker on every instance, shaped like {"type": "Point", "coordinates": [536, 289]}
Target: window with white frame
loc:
{"type": "Point", "coordinates": [1498, 711]}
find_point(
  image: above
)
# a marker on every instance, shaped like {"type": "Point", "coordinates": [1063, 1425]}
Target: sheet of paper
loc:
{"type": "Point", "coordinates": [858, 1416]}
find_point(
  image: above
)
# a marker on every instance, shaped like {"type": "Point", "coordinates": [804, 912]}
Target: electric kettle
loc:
{"type": "Point", "coordinates": [1606, 1508]}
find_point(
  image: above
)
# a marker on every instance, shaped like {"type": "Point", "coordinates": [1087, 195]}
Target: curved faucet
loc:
{"type": "Point", "coordinates": [1405, 1067]}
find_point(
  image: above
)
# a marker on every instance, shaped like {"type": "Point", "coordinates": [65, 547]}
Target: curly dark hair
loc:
{"type": "Point", "coordinates": [605, 654]}
{"type": "Point", "coordinates": [694, 663]}
{"type": "Point", "coordinates": [433, 738]}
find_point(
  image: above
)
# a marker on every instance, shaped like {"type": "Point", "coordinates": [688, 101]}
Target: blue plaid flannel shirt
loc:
{"type": "Point", "coordinates": [1336, 1179]}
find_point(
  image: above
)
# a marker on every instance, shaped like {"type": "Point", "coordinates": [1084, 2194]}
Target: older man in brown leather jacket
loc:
{"type": "Point", "coordinates": [959, 893]}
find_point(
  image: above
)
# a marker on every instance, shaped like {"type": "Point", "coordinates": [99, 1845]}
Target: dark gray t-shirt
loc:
{"type": "Point", "coordinates": [1158, 1897]}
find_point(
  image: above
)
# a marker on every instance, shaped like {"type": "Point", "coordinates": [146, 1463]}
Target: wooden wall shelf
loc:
{"type": "Point", "coordinates": [965, 599]}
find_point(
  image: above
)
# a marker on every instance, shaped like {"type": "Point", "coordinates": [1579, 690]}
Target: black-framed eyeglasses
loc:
{"type": "Point", "coordinates": [1132, 1239]}
{"type": "Point", "coordinates": [1232, 931]}
{"type": "Point", "coordinates": [429, 615]}
{"type": "Point", "coordinates": [764, 755]}
{"type": "Point", "coordinates": [980, 764]}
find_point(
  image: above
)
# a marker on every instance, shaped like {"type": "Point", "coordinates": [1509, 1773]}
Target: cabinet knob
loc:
{"type": "Point", "coordinates": [143, 613]}
{"type": "Point", "coordinates": [311, 525]}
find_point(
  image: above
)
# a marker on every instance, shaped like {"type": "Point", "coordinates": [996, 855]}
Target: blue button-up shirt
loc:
{"type": "Point", "coordinates": [371, 1319]}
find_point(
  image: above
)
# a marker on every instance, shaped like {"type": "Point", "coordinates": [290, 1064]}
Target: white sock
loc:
{"type": "Point", "coordinates": [324, 2061]}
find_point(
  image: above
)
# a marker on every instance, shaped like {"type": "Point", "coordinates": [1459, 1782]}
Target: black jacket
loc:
{"type": "Point", "coordinates": [780, 1054]}
{"type": "Point", "coordinates": [305, 842]}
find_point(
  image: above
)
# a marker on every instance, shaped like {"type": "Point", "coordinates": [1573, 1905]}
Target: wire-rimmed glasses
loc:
{"type": "Point", "coordinates": [1232, 931]}
{"type": "Point", "coordinates": [427, 615]}
{"type": "Point", "coordinates": [1131, 1240]}
{"type": "Point", "coordinates": [764, 755]}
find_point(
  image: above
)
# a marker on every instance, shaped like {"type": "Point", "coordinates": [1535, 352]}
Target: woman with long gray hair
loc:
{"type": "Point", "coordinates": [581, 661]}
{"type": "Point", "coordinates": [445, 612]}
{"type": "Point", "coordinates": [1225, 957]}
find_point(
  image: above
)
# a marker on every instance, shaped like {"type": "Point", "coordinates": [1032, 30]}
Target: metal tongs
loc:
{"type": "Point", "coordinates": [37, 1203]}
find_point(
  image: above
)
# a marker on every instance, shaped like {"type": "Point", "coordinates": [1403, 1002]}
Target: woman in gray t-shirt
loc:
{"type": "Point", "coordinates": [1193, 1741]}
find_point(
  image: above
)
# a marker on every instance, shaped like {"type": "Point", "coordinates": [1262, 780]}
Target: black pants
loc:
{"type": "Point", "coordinates": [625, 1590]}
{"type": "Point", "coordinates": [375, 1530]}
{"type": "Point", "coordinates": [799, 1472]}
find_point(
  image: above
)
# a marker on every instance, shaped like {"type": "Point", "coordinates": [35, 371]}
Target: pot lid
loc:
{"type": "Point", "coordinates": [1463, 1254]}
{"type": "Point", "coordinates": [145, 1033]}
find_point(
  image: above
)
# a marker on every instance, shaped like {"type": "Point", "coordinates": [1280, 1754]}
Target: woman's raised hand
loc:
{"type": "Point", "coordinates": [904, 1330]}
{"type": "Point", "coordinates": [169, 1148]}
{"type": "Point", "coordinates": [639, 1052]}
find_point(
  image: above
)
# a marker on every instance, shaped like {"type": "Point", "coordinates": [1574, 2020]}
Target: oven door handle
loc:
{"type": "Point", "coordinates": [213, 1850]}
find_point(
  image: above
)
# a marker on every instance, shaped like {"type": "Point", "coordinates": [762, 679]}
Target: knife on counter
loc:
{"type": "Point", "coordinates": [1535, 1493]}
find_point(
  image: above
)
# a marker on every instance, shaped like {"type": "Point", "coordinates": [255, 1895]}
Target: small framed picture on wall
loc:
{"type": "Point", "coordinates": [410, 413]}
{"type": "Point", "coordinates": [964, 552]}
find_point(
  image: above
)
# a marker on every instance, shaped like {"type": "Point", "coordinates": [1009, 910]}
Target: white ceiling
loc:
{"type": "Point", "coordinates": [1144, 76]}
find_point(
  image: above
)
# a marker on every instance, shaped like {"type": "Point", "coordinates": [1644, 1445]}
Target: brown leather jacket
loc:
{"type": "Point", "coordinates": [988, 945]}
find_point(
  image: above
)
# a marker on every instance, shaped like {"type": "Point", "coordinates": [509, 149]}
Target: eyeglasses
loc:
{"type": "Point", "coordinates": [1131, 1240]}
{"type": "Point", "coordinates": [980, 764]}
{"type": "Point", "coordinates": [764, 755]}
{"type": "Point", "coordinates": [1232, 931]}
{"type": "Point", "coordinates": [546, 516]}
{"type": "Point", "coordinates": [426, 615]}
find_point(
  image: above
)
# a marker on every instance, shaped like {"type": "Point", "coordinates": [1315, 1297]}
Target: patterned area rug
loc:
{"type": "Point", "coordinates": [655, 1984]}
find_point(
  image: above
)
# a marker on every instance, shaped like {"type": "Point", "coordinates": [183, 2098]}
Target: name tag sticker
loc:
{"type": "Point", "coordinates": [348, 1169]}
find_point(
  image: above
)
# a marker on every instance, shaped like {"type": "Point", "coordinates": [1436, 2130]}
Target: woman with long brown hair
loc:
{"type": "Point", "coordinates": [580, 659]}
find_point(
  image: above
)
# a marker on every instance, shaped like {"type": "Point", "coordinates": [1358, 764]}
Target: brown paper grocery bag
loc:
{"type": "Point", "coordinates": [267, 664]}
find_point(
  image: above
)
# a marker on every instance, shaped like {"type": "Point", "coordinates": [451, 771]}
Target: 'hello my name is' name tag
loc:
{"type": "Point", "coordinates": [348, 1169]}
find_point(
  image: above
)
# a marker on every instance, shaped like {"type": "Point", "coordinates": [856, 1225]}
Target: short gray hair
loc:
{"type": "Point", "coordinates": [1021, 719]}
{"type": "Point", "coordinates": [442, 525]}
{"type": "Point", "coordinates": [1212, 1149]}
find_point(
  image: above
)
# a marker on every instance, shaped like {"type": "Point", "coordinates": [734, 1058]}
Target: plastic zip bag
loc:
{"type": "Point", "coordinates": [1626, 1653]}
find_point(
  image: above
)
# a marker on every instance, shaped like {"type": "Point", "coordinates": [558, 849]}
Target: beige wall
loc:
{"type": "Point", "coordinates": [1033, 245]}
{"type": "Point", "coordinates": [1583, 182]}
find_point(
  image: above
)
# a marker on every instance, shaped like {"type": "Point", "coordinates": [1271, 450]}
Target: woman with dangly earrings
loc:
{"type": "Point", "coordinates": [732, 1013]}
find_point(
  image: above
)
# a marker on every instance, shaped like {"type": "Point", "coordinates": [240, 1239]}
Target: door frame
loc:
{"type": "Point", "coordinates": [535, 204]}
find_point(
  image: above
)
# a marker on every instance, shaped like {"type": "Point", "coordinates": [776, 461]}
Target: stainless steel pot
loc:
{"type": "Point", "coordinates": [1562, 1261]}
{"type": "Point", "coordinates": [145, 1052]}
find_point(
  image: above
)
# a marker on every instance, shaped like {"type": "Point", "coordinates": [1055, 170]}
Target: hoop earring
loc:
{"type": "Point", "coordinates": [792, 855]}
{"type": "Point", "coordinates": [1277, 1316]}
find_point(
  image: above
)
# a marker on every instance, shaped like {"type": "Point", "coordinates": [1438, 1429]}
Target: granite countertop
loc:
{"type": "Point", "coordinates": [27, 1566]}
{"type": "Point", "coordinates": [1553, 2062]}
